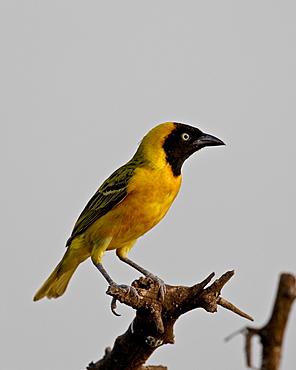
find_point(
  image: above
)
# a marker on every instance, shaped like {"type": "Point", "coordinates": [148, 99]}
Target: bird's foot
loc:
{"type": "Point", "coordinates": [130, 290]}
{"type": "Point", "coordinates": [114, 306]}
{"type": "Point", "coordinates": [160, 283]}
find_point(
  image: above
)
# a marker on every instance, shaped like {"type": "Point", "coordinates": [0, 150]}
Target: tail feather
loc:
{"type": "Point", "coordinates": [58, 281]}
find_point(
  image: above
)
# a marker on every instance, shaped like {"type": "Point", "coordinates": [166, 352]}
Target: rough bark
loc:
{"type": "Point", "coordinates": [155, 318]}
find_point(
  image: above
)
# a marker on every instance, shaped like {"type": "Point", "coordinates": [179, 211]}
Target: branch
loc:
{"type": "Point", "coordinates": [154, 322]}
{"type": "Point", "coordinates": [272, 334]}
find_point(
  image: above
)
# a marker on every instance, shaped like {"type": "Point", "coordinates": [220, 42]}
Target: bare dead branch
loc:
{"type": "Point", "coordinates": [272, 334]}
{"type": "Point", "coordinates": [154, 322]}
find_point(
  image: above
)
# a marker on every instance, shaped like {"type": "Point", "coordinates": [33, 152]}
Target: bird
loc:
{"type": "Point", "coordinates": [128, 204]}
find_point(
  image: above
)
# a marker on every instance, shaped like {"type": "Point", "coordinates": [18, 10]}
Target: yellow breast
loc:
{"type": "Point", "coordinates": [150, 195]}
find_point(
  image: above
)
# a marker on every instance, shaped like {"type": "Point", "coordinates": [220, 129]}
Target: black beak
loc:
{"type": "Point", "coordinates": [208, 140]}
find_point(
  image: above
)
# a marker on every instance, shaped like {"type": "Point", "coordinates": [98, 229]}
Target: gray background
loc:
{"type": "Point", "coordinates": [81, 83]}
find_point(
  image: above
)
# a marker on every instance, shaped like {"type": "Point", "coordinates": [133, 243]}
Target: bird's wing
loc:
{"type": "Point", "coordinates": [110, 193]}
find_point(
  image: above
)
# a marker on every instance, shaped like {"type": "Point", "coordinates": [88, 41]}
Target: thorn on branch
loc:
{"type": "Point", "coordinates": [229, 306]}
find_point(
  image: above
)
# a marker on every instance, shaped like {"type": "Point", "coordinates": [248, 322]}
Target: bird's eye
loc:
{"type": "Point", "coordinates": [185, 136]}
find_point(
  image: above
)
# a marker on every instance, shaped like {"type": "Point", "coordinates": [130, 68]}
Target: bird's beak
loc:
{"type": "Point", "coordinates": [208, 140]}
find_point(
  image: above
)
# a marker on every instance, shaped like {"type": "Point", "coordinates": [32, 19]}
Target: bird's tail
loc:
{"type": "Point", "coordinates": [58, 281]}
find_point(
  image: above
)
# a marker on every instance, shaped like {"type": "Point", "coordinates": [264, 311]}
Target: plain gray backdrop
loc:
{"type": "Point", "coordinates": [81, 83]}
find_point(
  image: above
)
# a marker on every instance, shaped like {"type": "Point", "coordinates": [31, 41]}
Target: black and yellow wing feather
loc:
{"type": "Point", "coordinates": [111, 192]}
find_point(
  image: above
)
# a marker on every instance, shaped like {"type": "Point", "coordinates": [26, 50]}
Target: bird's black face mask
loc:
{"type": "Point", "coordinates": [183, 141]}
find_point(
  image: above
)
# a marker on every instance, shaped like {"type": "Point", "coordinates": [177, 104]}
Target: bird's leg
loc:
{"type": "Point", "coordinates": [156, 279]}
{"type": "Point", "coordinates": [102, 270]}
{"type": "Point", "coordinates": [111, 282]}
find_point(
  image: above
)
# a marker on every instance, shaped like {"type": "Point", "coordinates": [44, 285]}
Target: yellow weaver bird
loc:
{"type": "Point", "coordinates": [129, 203]}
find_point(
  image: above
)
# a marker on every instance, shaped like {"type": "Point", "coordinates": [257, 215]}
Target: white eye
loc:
{"type": "Point", "coordinates": [185, 136]}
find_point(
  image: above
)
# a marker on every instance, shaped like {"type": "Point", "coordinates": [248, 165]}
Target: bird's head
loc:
{"type": "Point", "coordinates": [174, 142]}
